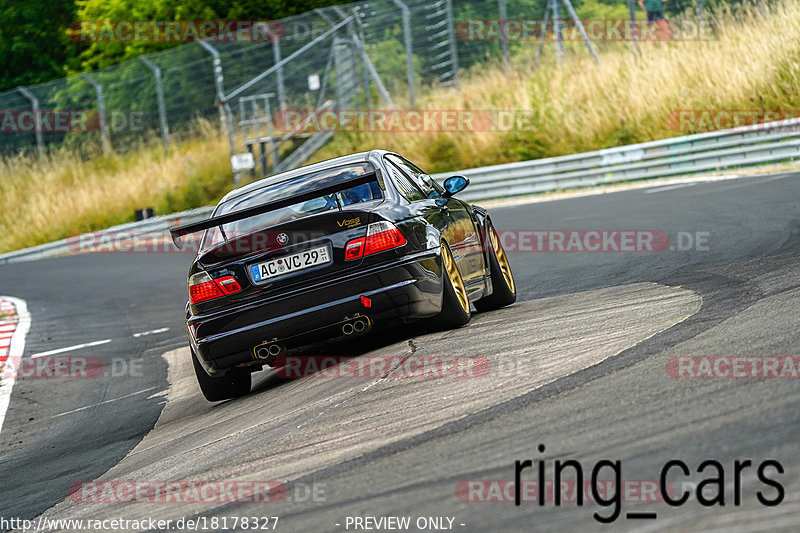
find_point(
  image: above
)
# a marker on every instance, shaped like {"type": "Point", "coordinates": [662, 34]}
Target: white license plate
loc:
{"type": "Point", "coordinates": [290, 263]}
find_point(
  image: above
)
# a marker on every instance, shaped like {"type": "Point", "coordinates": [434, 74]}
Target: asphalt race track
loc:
{"type": "Point", "coordinates": [584, 364]}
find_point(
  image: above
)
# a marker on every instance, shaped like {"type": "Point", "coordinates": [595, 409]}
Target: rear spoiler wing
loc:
{"type": "Point", "coordinates": [213, 222]}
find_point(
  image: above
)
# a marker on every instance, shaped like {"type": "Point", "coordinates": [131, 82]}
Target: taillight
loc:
{"type": "Point", "coordinates": [380, 236]}
{"type": "Point", "coordinates": [228, 284]}
{"type": "Point", "coordinates": [203, 288]}
{"type": "Point", "coordinates": [354, 249]}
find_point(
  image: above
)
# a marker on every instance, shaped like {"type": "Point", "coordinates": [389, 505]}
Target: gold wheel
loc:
{"type": "Point", "coordinates": [502, 260]}
{"type": "Point", "coordinates": [455, 278]}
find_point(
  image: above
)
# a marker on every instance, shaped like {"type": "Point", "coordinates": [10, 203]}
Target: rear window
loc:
{"type": "Point", "coordinates": [296, 186]}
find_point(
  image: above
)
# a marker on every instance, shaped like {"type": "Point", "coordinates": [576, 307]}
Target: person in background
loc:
{"type": "Point", "coordinates": [655, 15]}
{"type": "Point", "coordinates": [654, 9]}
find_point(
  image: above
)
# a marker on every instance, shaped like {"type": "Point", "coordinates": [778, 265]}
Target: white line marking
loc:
{"type": "Point", "coordinates": [670, 187]}
{"type": "Point", "coordinates": [102, 403]}
{"type": "Point", "coordinates": [70, 348]}
{"type": "Point", "coordinates": [151, 332]}
{"type": "Point", "coordinates": [15, 353]}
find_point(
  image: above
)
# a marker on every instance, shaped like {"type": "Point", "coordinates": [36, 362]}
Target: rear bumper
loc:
{"type": "Point", "coordinates": [406, 288]}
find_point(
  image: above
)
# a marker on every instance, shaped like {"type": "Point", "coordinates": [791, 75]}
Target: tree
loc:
{"type": "Point", "coordinates": [34, 46]}
{"type": "Point", "coordinates": [104, 53]}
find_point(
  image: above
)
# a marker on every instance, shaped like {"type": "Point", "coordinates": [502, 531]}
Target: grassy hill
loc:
{"type": "Point", "coordinates": [752, 65]}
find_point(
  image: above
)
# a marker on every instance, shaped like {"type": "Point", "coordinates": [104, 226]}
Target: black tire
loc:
{"type": "Point", "coordinates": [502, 294]}
{"type": "Point", "coordinates": [234, 384]}
{"type": "Point", "coordinates": [453, 315]}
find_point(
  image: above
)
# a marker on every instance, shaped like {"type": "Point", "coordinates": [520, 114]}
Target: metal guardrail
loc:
{"type": "Point", "coordinates": [746, 146]}
{"type": "Point", "coordinates": [154, 224]}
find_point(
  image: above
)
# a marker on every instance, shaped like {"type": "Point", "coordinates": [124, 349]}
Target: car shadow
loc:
{"type": "Point", "coordinates": [380, 337]}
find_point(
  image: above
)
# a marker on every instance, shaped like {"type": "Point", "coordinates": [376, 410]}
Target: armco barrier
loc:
{"type": "Point", "coordinates": [746, 146]}
{"type": "Point", "coordinates": [52, 249]}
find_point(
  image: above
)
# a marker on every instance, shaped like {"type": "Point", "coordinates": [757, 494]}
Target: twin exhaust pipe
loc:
{"type": "Point", "coordinates": [270, 352]}
{"type": "Point", "coordinates": [356, 326]}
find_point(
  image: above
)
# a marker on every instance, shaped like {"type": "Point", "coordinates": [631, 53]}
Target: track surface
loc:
{"type": "Point", "coordinates": [594, 329]}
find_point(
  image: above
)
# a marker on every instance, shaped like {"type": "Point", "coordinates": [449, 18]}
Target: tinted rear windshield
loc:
{"type": "Point", "coordinates": [294, 187]}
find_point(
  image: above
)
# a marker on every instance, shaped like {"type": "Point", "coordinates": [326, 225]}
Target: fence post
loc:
{"type": "Point", "coordinates": [37, 118]}
{"type": "Point", "coordinates": [366, 88]}
{"type": "Point", "coordinates": [503, 15]}
{"type": "Point", "coordinates": [581, 29]}
{"type": "Point", "coordinates": [557, 25]}
{"type": "Point", "coordinates": [276, 53]}
{"type": "Point", "coordinates": [372, 72]}
{"type": "Point", "coordinates": [547, 13]}
{"type": "Point", "coordinates": [634, 27]}
{"type": "Point", "coordinates": [451, 30]}
{"type": "Point", "coordinates": [324, 16]}
{"type": "Point", "coordinates": [162, 111]}
{"type": "Point", "coordinates": [225, 115]}
{"type": "Point", "coordinates": [101, 110]}
{"type": "Point", "coordinates": [412, 90]}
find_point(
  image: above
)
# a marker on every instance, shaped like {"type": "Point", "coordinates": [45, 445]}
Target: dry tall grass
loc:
{"type": "Point", "coordinates": [69, 195]}
{"type": "Point", "coordinates": [753, 65]}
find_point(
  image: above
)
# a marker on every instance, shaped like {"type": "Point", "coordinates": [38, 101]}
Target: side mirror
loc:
{"type": "Point", "coordinates": [454, 185]}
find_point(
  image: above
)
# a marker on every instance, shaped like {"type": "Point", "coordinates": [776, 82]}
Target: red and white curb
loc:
{"type": "Point", "coordinates": [8, 323]}
{"type": "Point", "coordinates": [14, 325]}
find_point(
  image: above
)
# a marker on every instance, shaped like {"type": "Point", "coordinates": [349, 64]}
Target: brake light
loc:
{"type": "Point", "coordinates": [354, 249]}
{"type": "Point", "coordinates": [382, 236]}
{"type": "Point", "coordinates": [202, 288]}
{"type": "Point", "coordinates": [228, 284]}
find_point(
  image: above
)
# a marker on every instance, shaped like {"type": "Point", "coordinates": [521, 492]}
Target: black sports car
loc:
{"type": "Point", "coordinates": [330, 250]}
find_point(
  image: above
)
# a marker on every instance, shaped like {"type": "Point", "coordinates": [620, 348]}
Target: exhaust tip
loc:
{"type": "Point", "coordinates": [347, 329]}
{"type": "Point", "coordinates": [359, 326]}
{"type": "Point", "coordinates": [269, 352]}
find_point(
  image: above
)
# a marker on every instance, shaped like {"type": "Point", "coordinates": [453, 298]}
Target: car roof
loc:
{"type": "Point", "coordinates": [349, 159]}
